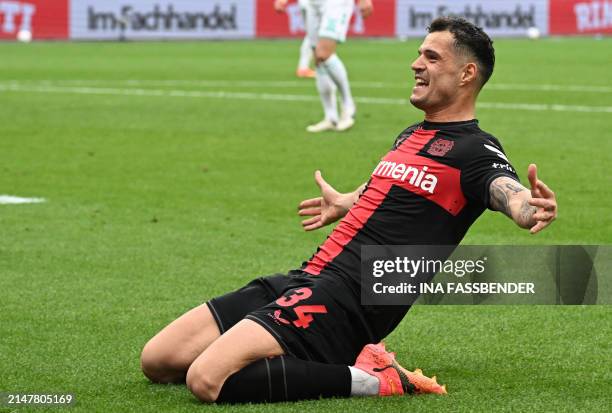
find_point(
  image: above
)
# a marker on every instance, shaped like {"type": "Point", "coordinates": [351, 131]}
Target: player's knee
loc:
{"type": "Point", "coordinates": [161, 366]}
{"type": "Point", "coordinates": [151, 364]}
{"type": "Point", "coordinates": [202, 386]}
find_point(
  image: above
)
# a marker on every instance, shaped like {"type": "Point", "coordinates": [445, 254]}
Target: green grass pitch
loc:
{"type": "Point", "coordinates": [161, 195]}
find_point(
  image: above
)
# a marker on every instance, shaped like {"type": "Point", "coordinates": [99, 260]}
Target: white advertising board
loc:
{"type": "Point", "coordinates": [162, 19]}
{"type": "Point", "coordinates": [497, 17]}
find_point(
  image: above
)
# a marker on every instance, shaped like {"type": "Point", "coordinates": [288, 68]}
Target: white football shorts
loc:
{"type": "Point", "coordinates": [328, 19]}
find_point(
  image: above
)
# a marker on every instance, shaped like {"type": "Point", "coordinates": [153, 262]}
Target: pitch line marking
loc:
{"type": "Point", "coordinates": [284, 97]}
{"type": "Point", "coordinates": [308, 84]}
{"type": "Point", "coordinates": [11, 200]}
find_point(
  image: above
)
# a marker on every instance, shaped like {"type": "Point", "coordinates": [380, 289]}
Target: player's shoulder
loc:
{"type": "Point", "coordinates": [410, 129]}
{"type": "Point", "coordinates": [488, 138]}
{"type": "Point", "coordinates": [482, 149]}
{"type": "Point", "coordinates": [405, 134]}
{"type": "Point", "coordinates": [490, 144]}
{"type": "Point", "coordinates": [473, 138]}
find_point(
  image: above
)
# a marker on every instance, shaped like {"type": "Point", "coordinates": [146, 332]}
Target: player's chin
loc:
{"type": "Point", "coordinates": [417, 101]}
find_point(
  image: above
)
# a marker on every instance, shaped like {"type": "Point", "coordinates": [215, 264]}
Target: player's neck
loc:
{"type": "Point", "coordinates": [450, 116]}
{"type": "Point", "coordinates": [460, 110]}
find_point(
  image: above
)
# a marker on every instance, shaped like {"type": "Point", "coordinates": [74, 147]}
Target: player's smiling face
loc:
{"type": "Point", "coordinates": [437, 73]}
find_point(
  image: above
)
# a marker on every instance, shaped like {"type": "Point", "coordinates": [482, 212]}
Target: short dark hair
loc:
{"type": "Point", "coordinates": [469, 39]}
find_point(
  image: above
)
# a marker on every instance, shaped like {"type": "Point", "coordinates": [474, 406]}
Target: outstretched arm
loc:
{"type": "Point", "coordinates": [532, 209]}
{"type": "Point", "coordinates": [329, 207]}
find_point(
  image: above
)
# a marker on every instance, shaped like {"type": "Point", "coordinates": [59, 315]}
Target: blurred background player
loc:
{"type": "Point", "coordinates": [327, 23]}
{"type": "Point", "coordinates": [306, 49]}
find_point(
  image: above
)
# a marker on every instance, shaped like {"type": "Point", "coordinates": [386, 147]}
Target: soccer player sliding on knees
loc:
{"type": "Point", "coordinates": [305, 334]}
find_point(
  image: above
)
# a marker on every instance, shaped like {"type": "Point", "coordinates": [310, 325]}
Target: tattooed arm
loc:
{"type": "Point", "coordinates": [534, 209]}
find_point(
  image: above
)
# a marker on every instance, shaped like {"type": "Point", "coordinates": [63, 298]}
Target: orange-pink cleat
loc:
{"type": "Point", "coordinates": [394, 379]}
{"type": "Point", "coordinates": [307, 73]}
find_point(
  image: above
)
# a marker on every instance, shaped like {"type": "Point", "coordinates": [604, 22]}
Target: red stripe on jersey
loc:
{"type": "Point", "coordinates": [437, 182]}
{"type": "Point", "coordinates": [354, 220]}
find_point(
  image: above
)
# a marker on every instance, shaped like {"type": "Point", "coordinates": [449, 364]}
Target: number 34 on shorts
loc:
{"type": "Point", "coordinates": [303, 312]}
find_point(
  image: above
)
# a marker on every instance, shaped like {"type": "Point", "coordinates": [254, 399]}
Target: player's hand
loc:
{"type": "Point", "coordinates": [365, 8]}
{"type": "Point", "coordinates": [280, 5]}
{"type": "Point", "coordinates": [328, 208]}
{"type": "Point", "coordinates": [543, 199]}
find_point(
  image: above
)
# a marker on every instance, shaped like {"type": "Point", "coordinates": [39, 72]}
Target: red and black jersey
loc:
{"type": "Point", "coordinates": [429, 189]}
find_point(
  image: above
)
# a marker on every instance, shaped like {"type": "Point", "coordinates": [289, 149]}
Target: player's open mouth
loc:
{"type": "Point", "coordinates": [420, 83]}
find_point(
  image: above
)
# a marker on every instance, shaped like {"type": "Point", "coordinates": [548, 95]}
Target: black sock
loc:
{"type": "Point", "coordinates": [284, 378]}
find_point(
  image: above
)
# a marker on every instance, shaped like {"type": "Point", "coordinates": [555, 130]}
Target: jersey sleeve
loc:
{"type": "Point", "coordinates": [487, 162]}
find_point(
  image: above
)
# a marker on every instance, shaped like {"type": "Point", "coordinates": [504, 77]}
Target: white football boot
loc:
{"type": "Point", "coordinates": [347, 120]}
{"type": "Point", "coordinates": [322, 126]}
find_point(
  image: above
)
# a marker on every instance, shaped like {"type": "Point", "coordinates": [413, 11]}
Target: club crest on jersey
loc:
{"type": "Point", "coordinates": [440, 147]}
{"type": "Point", "coordinates": [407, 173]}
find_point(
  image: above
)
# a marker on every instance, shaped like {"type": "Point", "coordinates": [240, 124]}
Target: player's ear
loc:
{"type": "Point", "coordinates": [469, 73]}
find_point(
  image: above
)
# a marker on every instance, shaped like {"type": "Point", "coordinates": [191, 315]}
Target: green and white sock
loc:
{"type": "Point", "coordinates": [337, 71]}
{"type": "Point", "coordinates": [327, 93]}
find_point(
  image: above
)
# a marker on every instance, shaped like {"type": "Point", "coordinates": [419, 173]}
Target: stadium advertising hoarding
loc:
{"type": "Point", "coordinates": [496, 17]}
{"type": "Point", "coordinates": [154, 19]}
{"type": "Point", "coordinates": [44, 19]}
{"type": "Point", "coordinates": [271, 23]}
{"type": "Point", "coordinates": [222, 19]}
{"type": "Point", "coordinates": [580, 17]}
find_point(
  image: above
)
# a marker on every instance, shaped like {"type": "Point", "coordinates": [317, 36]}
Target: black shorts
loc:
{"type": "Point", "coordinates": [312, 317]}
